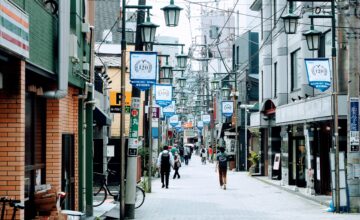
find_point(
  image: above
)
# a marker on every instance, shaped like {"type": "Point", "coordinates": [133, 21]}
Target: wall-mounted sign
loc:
{"type": "Point", "coordinates": [174, 120]}
{"type": "Point", "coordinates": [163, 94]}
{"type": "Point", "coordinates": [14, 29]}
{"type": "Point", "coordinates": [143, 69]}
{"type": "Point", "coordinates": [227, 108]}
{"type": "Point", "coordinates": [318, 72]}
{"type": "Point", "coordinates": [115, 102]}
{"type": "Point", "coordinates": [169, 110]}
{"type": "Point", "coordinates": [206, 119]}
{"type": "Point", "coordinates": [354, 123]}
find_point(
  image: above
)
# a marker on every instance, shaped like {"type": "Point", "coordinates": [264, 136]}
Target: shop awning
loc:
{"type": "Point", "coordinates": [101, 117]}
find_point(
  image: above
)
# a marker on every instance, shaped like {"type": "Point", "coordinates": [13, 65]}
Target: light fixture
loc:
{"type": "Point", "coordinates": [215, 84]}
{"type": "Point", "coordinates": [172, 14]}
{"type": "Point", "coordinates": [313, 39]}
{"type": "Point", "coordinates": [182, 59]}
{"type": "Point", "coordinates": [182, 82]}
{"type": "Point", "coordinates": [167, 70]}
{"type": "Point", "coordinates": [225, 91]}
{"type": "Point", "coordinates": [148, 30]}
{"type": "Point", "coordinates": [290, 23]}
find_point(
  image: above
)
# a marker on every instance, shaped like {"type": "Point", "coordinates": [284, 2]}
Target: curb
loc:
{"type": "Point", "coordinates": [312, 198]}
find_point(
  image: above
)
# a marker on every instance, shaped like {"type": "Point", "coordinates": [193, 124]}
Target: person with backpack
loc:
{"type": "Point", "coordinates": [181, 153]}
{"type": "Point", "coordinates": [177, 165]}
{"type": "Point", "coordinates": [222, 159]}
{"type": "Point", "coordinates": [203, 155]}
{"type": "Point", "coordinates": [164, 163]}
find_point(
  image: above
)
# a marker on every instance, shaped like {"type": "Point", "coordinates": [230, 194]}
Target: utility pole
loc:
{"type": "Point", "coordinates": [353, 153]}
{"type": "Point", "coordinates": [131, 171]}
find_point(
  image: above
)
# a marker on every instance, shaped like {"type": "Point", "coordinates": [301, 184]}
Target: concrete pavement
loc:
{"type": "Point", "coordinates": [197, 196]}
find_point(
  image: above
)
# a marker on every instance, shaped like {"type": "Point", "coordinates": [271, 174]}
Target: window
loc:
{"type": "Point", "coordinates": [295, 70]}
{"type": "Point", "coordinates": [275, 80]}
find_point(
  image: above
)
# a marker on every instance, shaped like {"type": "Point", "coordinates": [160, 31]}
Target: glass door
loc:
{"type": "Point", "coordinates": [300, 162]}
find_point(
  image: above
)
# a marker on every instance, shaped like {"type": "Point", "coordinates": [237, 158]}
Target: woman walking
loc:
{"type": "Point", "coordinates": [177, 165]}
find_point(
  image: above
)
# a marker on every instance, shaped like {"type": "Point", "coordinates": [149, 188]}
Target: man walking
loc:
{"type": "Point", "coordinates": [165, 162]}
{"type": "Point", "coordinates": [221, 165]}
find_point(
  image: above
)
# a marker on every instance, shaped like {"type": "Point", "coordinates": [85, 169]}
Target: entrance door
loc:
{"type": "Point", "coordinates": [297, 156]}
{"type": "Point", "coordinates": [68, 172]}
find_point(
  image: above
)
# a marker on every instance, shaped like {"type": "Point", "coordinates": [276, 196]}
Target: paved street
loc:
{"type": "Point", "coordinates": [197, 196]}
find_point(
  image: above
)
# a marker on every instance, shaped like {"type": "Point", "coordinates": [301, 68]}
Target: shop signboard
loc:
{"type": "Point", "coordinates": [14, 29]}
{"type": "Point", "coordinates": [143, 69]}
{"type": "Point", "coordinates": [318, 73]}
{"type": "Point", "coordinates": [115, 101]}
{"type": "Point", "coordinates": [134, 118]}
{"type": "Point", "coordinates": [354, 124]}
{"type": "Point", "coordinates": [200, 125]}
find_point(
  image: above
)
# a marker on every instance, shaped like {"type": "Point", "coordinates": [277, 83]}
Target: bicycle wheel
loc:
{"type": "Point", "coordinates": [114, 191]}
{"type": "Point", "coordinates": [99, 196]}
{"type": "Point", "coordinates": [139, 197]}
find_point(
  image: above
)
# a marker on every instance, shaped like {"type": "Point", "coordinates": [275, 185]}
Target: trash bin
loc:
{"type": "Point", "coordinates": [72, 215]}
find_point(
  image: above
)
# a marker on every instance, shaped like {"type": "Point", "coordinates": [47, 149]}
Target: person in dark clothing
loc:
{"type": "Point", "coordinates": [164, 163]}
{"type": "Point", "coordinates": [221, 165]}
{"type": "Point", "coordinates": [177, 165]}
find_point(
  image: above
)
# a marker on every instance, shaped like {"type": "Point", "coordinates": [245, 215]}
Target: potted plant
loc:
{"type": "Point", "coordinates": [254, 160]}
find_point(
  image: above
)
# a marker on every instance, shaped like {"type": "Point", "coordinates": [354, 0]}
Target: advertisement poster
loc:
{"type": "Point", "coordinates": [174, 120]}
{"type": "Point", "coordinates": [169, 110]}
{"type": "Point", "coordinates": [143, 69]}
{"type": "Point", "coordinates": [206, 119]}
{"type": "Point", "coordinates": [318, 72]}
{"type": "Point", "coordinates": [163, 94]}
{"type": "Point", "coordinates": [227, 108]}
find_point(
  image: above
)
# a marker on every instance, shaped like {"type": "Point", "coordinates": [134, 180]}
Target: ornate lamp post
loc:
{"type": "Point", "coordinates": [172, 14]}
{"type": "Point", "coordinates": [312, 39]}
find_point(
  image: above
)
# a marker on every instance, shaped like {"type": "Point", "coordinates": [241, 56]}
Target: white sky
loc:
{"type": "Point", "coordinates": [185, 29]}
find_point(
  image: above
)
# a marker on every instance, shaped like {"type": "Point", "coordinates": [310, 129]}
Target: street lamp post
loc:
{"type": "Point", "coordinates": [246, 108]}
{"type": "Point", "coordinates": [312, 38]}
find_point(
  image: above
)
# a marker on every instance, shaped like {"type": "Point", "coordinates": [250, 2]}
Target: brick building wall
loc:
{"type": "Point", "coordinates": [61, 117]}
{"type": "Point", "coordinates": [12, 133]}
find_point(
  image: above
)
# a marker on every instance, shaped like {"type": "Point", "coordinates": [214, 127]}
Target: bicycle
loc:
{"type": "Point", "coordinates": [15, 204]}
{"type": "Point", "coordinates": [101, 190]}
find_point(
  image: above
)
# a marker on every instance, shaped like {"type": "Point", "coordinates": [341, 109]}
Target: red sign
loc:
{"type": "Point", "coordinates": [134, 112]}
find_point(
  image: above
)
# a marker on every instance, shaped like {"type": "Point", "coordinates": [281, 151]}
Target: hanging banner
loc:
{"type": "Point", "coordinates": [178, 128]}
{"type": "Point", "coordinates": [318, 73]}
{"type": "Point", "coordinates": [227, 108]}
{"type": "Point", "coordinates": [163, 94]}
{"type": "Point", "coordinates": [206, 119]}
{"type": "Point", "coordinates": [174, 120]}
{"type": "Point", "coordinates": [354, 124]}
{"type": "Point", "coordinates": [200, 125]}
{"type": "Point", "coordinates": [169, 110]}
{"type": "Point", "coordinates": [143, 69]}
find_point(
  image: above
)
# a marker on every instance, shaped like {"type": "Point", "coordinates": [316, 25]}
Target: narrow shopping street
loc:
{"type": "Point", "coordinates": [197, 195]}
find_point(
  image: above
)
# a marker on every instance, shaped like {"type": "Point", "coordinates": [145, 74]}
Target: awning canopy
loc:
{"type": "Point", "coordinates": [101, 117]}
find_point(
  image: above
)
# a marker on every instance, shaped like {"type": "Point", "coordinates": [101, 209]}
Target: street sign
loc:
{"type": "Point", "coordinates": [143, 69]}
{"type": "Point", "coordinates": [318, 73]}
{"type": "Point", "coordinates": [115, 102]}
{"type": "Point", "coordinates": [227, 108]}
{"type": "Point", "coordinates": [354, 124]}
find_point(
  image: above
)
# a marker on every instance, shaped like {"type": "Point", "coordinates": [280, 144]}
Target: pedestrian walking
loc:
{"type": "Point", "coordinates": [186, 154]}
{"type": "Point", "coordinates": [177, 165]}
{"type": "Point", "coordinates": [164, 163]}
{"type": "Point", "coordinates": [210, 153]}
{"type": "Point", "coordinates": [181, 153]}
{"type": "Point", "coordinates": [203, 155]}
{"type": "Point", "coordinates": [221, 165]}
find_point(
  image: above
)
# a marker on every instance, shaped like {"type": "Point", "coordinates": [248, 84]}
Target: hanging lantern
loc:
{"type": "Point", "coordinates": [313, 39]}
{"type": "Point", "coordinates": [172, 14]}
{"type": "Point", "coordinates": [148, 31]}
{"type": "Point", "coordinates": [182, 82]}
{"type": "Point", "coordinates": [225, 92]}
{"type": "Point", "coordinates": [290, 23]}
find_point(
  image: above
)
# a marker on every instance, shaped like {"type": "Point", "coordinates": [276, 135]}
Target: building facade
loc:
{"type": "Point", "coordinates": [41, 110]}
{"type": "Point", "coordinates": [295, 121]}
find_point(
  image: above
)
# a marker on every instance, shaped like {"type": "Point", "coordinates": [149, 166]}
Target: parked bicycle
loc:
{"type": "Point", "coordinates": [15, 204]}
{"type": "Point", "coordinates": [101, 190]}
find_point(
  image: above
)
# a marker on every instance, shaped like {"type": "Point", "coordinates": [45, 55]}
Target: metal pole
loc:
{"type": "Point", "coordinates": [122, 121]}
{"type": "Point", "coordinates": [150, 138]}
{"type": "Point", "coordinates": [335, 104]}
{"type": "Point", "coordinates": [237, 147]}
{"type": "Point", "coordinates": [246, 151]}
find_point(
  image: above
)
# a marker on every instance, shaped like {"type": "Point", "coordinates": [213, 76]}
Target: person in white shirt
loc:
{"type": "Point", "coordinates": [164, 163]}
